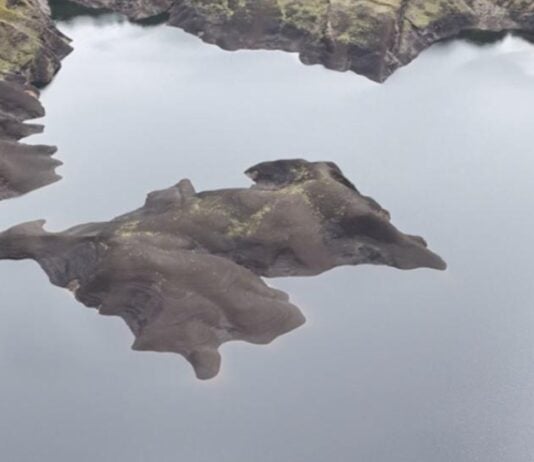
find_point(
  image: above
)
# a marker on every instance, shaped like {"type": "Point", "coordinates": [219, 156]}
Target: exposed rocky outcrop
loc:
{"type": "Point", "coordinates": [30, 45]}
{"type": "Point", "coordinates": [369, 37]}
{"type": "Point", "coordinates": [184, 270]}
{"type": "Point", "coordinates": [23, 167]}
{"type": "Point", "coordinates": [30, 52]}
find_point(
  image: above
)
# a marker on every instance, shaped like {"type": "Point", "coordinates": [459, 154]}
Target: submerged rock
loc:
{"type": "Point", "coordinates": [184, 270]}
{"type": "Point", "coordinates": [369, 37]}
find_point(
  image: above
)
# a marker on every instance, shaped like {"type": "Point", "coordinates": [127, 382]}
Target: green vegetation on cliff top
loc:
{"type": "Point", "coordinates": [19, 40]}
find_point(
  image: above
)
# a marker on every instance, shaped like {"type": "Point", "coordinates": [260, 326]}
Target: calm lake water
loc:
{"type": "Point", "coordinates": [391, 366]}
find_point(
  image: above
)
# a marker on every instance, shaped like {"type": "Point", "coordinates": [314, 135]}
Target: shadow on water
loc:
{"type": "Point", "coordinates": [486, 37]}
{"type": "Point", "coordinates": [64, 10]}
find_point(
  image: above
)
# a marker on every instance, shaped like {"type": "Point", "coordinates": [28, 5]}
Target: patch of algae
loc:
{"type": "Point", "coordinates": [232, 219]}
{"type": "Point", "coordinates": [422, 14]}
{"type": "Point", "coordinates": [131, 229]}
{"type": "Point", "coordinates": [210, 205]}
{"type": "Point", "coordinates": [308, 15]}
{"type": "Point", "coordinates": [19, 16]}
{"type": "Point", "coordinates": [249, 226]}
{"type": "Point", "coordinates": [221, 9]}
{"type": "Point", "coordinates": [127, 229]}
{"type": "Point", "coordinates": [19, 42]}
{"type": "Point", "coordinates": [17, 50]}
{"type": "Point", "coordinates": [362, 22]}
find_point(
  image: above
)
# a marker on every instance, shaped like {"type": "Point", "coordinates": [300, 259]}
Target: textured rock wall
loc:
{"type": "Point", "coordinates": [23, 168]}
{"type": "Point", "coordinates": [30, 45]}
{"type": "Point", "coordinates": [369, 37]}
{"type": "Point", "coordinates": [31, 49]}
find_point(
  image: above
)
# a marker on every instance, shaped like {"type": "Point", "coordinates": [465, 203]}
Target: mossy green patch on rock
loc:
{"type": "Point", "coordinates": [306, 15]}
{"type": "Point", "coordinates": [30, 45]}
{"type": "Point", "coordinates": [17, 48]}
{"type": "Point", "coordinates": [220, 9]}
{"type": "Point", "coordinates": [250, 225]}
{"type": "Point", "coordinates": [422, 14]}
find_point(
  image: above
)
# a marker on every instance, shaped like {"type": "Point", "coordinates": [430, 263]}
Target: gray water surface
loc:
{"type": "Point", "coordinates": [391, 366]}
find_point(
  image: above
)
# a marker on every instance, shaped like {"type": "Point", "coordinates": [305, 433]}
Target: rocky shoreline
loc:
{"type": "Point", "coordinates": [31, 49]}
{"type": "Point", "coordinates": [23, 167]}
{"type": "Point", "coordinates": [370, 37]}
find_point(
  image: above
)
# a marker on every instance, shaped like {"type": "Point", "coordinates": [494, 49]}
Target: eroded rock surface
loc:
{"type": "Point", "coordinates": [23, 167]}
{"type": "Point", "coordinates": [370, 37]}
{"type": "Point", "coordinates": [31, 49]}
{"type": "Point", "coordinates": [184, 270]}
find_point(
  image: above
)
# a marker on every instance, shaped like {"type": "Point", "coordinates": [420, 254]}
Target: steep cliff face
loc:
{"type": "Point", "coordinates": [184, 270]}
{"type": "Point", "coordinates": [31, 49]}
{"type": "Point", "coordinates": [369, 37]}
{"type": "Point", "coordinates": [30, 45]}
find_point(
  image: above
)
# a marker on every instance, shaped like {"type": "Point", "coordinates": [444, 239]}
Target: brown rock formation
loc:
{"type": "Point", "coordinates": [184, 270]}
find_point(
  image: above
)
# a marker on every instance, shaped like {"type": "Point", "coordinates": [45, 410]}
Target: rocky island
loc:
{"type": "Point", "coordinates": [184, 271]}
